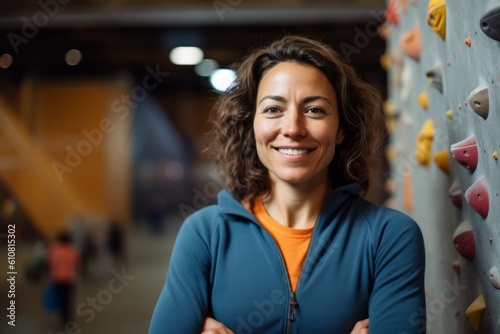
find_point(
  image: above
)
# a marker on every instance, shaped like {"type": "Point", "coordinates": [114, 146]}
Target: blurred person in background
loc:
{"type": "Point", "coordinates": [291, 246]}
{"type": "Point", "coordinates": [116, 242]}
{"type": "Point", "coordinates": [64, 261]}
{"type": "Point", "coordinates": [83, 242]}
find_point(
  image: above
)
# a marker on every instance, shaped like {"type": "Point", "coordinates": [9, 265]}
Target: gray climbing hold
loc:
{"type": "Point", "coordinates": [479, 101]}
{"type": "Point", "coordinates": [435, 77]}
{"type": "Point", "coordinates": [490, 23]}
{"type": "Point", "coordinates": [495, 278]}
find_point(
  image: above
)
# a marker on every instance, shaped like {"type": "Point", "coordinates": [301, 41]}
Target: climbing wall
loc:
{"type": "Point", "coordinates": [443, 67]}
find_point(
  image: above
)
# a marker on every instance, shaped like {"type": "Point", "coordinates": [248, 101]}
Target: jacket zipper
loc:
{"type": "Point", "coordinates": [291, 309]}
{"type": "Point", "coordinates": [293, 295]}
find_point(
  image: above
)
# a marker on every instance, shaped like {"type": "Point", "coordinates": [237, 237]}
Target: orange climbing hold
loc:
{"type": "Point", "coordinates": [408, 192]}
{"type": "Point", "coordinates": [410, 43]}
{"type": "Point", "coordinates": [384, 30]}
{"type": "Point", "coordinates": [468, 41]}
{"type": "Point", "coordinates": [474, 312]}
{"type": "Point", "coordinates": [385, 61]}
{"type": "Point", "coordinates": [404, 5]}
{"type": "Point", "coordinates": [457, 267]}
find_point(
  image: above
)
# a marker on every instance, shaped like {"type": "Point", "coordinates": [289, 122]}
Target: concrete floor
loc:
{"type": "Point", "coordinates": [125, 307]}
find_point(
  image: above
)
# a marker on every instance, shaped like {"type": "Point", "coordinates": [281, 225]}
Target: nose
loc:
{"type": "Point", "coordinates": [294, 125]}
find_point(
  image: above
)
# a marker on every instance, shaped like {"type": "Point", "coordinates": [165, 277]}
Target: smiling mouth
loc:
{"type": "Point", "coordinates": [293, 151]}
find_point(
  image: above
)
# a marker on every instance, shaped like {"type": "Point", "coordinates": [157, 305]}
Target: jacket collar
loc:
{"type": "Point", "coordinates": [230, 205]}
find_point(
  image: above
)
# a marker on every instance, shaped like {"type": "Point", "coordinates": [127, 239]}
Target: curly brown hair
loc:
{"type": "Point", "coordinates": [361, 116]}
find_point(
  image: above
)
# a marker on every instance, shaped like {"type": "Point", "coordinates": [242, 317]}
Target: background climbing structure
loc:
{"type": "Point", "coordinates": [444, 104]}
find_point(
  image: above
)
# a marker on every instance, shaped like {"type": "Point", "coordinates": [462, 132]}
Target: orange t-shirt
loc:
{"type": "Point", "coordinates": [293, 243]}
{"type": "Point", "coordinates": [63, 261]}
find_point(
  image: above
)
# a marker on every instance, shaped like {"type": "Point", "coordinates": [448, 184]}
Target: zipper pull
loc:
{"type": "Point", "coordinates": [293, 303]}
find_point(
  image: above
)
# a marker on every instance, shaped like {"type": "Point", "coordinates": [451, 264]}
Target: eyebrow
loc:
{"type": "Point", "coordinates": [305, 100]}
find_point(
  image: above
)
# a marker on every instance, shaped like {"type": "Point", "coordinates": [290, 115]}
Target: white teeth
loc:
{"type": "Point", "coordinates": [290, 151]}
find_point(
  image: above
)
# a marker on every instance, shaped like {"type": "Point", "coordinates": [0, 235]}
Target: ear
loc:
{"type": "Point", "coordinates": [340, 136]}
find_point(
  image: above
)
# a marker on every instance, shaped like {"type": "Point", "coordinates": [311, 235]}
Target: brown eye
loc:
{"type": "Point", "coordinates": [271, 110]}
{"type": "Point", "coordinates": [315, 110]}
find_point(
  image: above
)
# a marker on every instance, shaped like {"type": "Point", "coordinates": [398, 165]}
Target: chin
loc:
{"type": "Point", "coordinates": [293, 178]}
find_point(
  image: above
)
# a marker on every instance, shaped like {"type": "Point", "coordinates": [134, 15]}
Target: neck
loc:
{"type": "Point", "coordinates": [296, 206]}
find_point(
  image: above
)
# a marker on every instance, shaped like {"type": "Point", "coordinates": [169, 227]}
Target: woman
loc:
{"type": "Point", "coordinates": [291, 247]}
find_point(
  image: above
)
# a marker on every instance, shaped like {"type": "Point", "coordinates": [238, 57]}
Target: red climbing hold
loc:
{"type": "Point", "coordinates": [392, 11]}
{"type": "Point", "coordinates": [465, 152]}
{"type": "Point", "coordinates": [478, 198]}
{"type": "Point", "coordinates": [464, 242]}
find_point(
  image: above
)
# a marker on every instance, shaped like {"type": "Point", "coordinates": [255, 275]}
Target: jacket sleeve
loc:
{"type": "Point", "coordinates": [397, 303]}
{"type": "Point", "coordinates": [183, 303]}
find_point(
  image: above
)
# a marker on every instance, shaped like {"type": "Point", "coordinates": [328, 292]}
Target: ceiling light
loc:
{"type": "Point", "coordinates": [206, 67]}
{"type": "Point", "coordinates": [5, 60]}
{"type": "Point", "coordinates": [221, 79]}
{"type": "Point", "coordinates": [186, 55]}
{"type": "Point", "coordinates": [73, 57]}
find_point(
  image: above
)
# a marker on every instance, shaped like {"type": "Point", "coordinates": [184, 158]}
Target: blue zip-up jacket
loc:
{"type": "Point", "coordinates": [363, 261]}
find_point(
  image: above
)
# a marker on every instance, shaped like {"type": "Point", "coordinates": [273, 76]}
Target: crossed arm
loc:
{"type": "Point", "coordinates": [212, 326]}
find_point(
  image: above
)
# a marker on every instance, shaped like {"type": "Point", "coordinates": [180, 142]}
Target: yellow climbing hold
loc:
{"type": "Point", "coordinates": [427, 130]}
{"type": "Point", "coordinates": [390, 110]}
{"type": "Point", "coordinates": [423, 152]}
{"type": "Point", "coordinates": [423, 144]}
{"type": "Point", "coordinates": [385, 61]}
{"type": "Point", "coordinates": [442, 159]}
{"type": "Point", "coordinates": [495, 155]}
{"type": "Point", "coordinates": [389, 107]}
{"type": "Point", "coordinates": [423, 99]}
{"type": "Point", "coordinates": [436, 16]}
{"type": "Point", "coordinates": [449, 114]}
{"type": "Point", "coordinates": [474, 312]}
{"type": "Point", "coordinates": [391, 154]}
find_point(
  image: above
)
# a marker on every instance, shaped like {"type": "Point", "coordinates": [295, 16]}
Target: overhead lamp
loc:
{"type": "Point", "coordinates": [186, 55]}
{"type": "Point", "coordinates": [5, 60]}
{"type": "Point", "coordinates": [73, 57]}
{"type": "Point", "coordinates": [206, 67]}
{"type": "Point", "coordinates": [222, 78]}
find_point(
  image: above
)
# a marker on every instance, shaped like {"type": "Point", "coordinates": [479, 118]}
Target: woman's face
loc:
{"type": "Point", "coordinates": [296, 123]}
